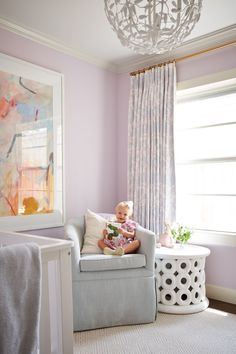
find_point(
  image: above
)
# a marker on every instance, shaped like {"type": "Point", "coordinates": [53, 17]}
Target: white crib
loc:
{"type": "Point", "coordinates": [56, 319]}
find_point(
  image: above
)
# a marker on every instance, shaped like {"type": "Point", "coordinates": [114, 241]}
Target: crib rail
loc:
{"type": "Point", "coordinates": [56, 318]}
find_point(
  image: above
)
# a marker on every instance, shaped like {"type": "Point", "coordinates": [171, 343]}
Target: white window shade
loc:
{"type": "Point", "coordinates": [205, 154]}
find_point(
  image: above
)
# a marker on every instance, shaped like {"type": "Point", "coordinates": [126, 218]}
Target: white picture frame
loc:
{"type": "Point", "coordinates": [31, 146]}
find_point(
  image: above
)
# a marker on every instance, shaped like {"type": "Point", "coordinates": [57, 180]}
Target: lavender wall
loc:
{"type": "Point", "coordinates": [123, 86]}
{"type": "Point", "coordinates": [221, 263]}
{"type": "Point", "coordinates": [95, 126]}
{"type": "Point", "coordinates": [220, 266]}
{"type": "Point", "coordinates": [89, 125]}
{"type": "Point", "coordinates": [207, 64]}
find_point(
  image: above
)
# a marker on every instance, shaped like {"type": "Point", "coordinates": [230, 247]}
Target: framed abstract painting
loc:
{"type": "Point", "coordinates": [31, 145]}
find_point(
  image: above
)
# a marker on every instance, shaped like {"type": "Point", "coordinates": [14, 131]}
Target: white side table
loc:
{"type": "Point", "coordinates": [180, 275]}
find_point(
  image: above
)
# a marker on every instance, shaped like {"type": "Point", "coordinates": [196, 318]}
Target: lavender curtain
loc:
{"type": "Point", "coordinates": [151, 170]}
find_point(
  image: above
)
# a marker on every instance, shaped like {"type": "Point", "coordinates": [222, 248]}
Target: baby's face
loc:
{"type": "Point", "coordinates": [122, 214]}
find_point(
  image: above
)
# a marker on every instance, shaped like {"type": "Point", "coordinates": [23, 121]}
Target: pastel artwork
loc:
{"type": "Point", "coordinates": [26, 146]}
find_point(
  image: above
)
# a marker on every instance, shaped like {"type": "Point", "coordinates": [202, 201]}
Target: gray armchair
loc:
{"type": "Point", "coordinates": [112, 290]}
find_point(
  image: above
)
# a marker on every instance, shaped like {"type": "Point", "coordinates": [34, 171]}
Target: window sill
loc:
{"type": "Point", "coordinates": [202, 237]}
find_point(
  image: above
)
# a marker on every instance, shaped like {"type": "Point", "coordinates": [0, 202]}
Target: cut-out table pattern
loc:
{"type": "Point", "coordinates": [180, 279]}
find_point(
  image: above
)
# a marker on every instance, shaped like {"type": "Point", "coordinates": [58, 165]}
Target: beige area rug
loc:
{"type": "Point", "coordinates": [208, 332]}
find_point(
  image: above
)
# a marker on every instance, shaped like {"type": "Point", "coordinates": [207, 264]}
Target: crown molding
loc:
{"type": "Point", "coordinates": [54, 44]}
{"type": "Point", "coordinates": [209, 40]}
{"type": "Point", "coordinates": [212, 39]}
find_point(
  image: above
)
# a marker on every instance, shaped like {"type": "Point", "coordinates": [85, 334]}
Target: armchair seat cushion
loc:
{"type": "Point", "coordinates": [100, 262]}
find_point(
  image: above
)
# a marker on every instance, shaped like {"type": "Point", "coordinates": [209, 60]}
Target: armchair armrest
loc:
{"type": "Point", "coordinates": [148, 245]}
{"type": "Point", "coordinates": [74, 230]}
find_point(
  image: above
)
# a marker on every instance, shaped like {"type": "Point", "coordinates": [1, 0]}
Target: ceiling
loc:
{"type": "Point", "coordinates": [80, 28]}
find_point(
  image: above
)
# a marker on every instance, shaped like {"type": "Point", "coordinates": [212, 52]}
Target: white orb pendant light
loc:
{"type": "Point", "coordinates": [152, 26]}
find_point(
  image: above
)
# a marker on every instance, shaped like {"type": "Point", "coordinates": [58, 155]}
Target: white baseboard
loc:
{"type": "Point", "coordinates": [221, 294]}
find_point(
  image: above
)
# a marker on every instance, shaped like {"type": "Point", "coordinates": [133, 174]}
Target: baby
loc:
{"type": "Point", "coordinates": [125, 242]}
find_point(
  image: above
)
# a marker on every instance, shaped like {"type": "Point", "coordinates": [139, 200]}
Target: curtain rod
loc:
{"type": "Point", "coordinates": [182, 58]}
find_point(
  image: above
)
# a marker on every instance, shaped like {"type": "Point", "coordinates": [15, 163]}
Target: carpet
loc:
{"type": "Point", "coordinates": [207, 332]}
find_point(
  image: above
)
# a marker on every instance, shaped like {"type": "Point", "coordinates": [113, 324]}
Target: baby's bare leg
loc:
{"type": "Point", "coordinates": [131, 247]}
{"type": "Point", "coordinates": [101, 244]}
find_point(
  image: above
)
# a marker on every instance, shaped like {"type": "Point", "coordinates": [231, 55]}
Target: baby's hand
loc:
{"type": "Point", "coordinates": [105, 233]}
{"type": "Point", "coordinates": [121, 231]}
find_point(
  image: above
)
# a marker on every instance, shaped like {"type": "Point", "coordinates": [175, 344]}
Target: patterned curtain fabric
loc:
{"type": "Point", "coordinates": [151, 170]}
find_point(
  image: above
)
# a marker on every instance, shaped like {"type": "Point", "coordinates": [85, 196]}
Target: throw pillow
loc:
{"type": "Point", "coordinates": [94, 226]}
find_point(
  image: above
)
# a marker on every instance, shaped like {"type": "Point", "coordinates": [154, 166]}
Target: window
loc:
{"type": "Point", "coordinates": [205, 154]}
